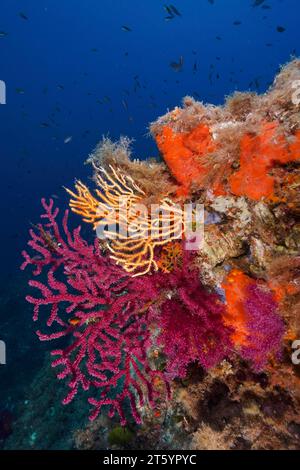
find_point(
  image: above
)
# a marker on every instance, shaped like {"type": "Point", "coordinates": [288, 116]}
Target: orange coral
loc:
{"type": "Point", "coordinates": [258, 155]}
{"type": "Point", "coordinates": [170, 257]}
{"type": "Point", "coordinates": [186, 153]}
{"type": "Point", "coordinates": [236, 288]}
{"type": "Point", "coordinates": [282, 290]}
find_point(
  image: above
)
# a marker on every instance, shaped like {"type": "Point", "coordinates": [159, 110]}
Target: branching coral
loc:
{"type": "Point", "coordinates": [117, 190]}
{"type": "Point", "coordinates": [97, 308]}
{"type": "Point", "coordinates": [191, 321]}
{"type": "Point", "coordinates": [153, 177]}
{"type": "Point", "coordinates": [264, 327]}
{"type": "Point", "coordinates": [108, 317]}
{"type": "Point", "coordinates": [170, 257]}
{"type": "Point", "coordinates": [120, 216]}
{"type": "Point", "coordinates": [252, 312]}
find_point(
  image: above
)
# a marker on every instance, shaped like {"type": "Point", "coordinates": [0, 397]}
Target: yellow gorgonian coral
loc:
{"type": "Point", "coordinates": [119, 216]}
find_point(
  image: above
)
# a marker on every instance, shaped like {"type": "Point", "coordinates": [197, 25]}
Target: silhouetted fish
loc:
{"type": "Point", "coordinates": [175, 11]}
{"type": "Point", "coordinates": [257, 3]}
{"type": "Point", "coordinates": [177, 66]}
{"type": "Point", "coordinates": [23, 16]}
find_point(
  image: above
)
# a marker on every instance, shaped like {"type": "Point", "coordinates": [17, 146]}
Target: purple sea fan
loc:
{"type": "Point", "coordinates": [264, 325]}
{"type": "Point", "coordinates": [191, 323]}
{"type": "Point", "coordinates": [96, 306]}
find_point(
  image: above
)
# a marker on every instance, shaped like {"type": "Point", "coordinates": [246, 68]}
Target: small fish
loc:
{"type": "Point", "coordinates": [3, 34]}
{"type": "Point", "coordinates": [74, 321]}
{"type": "Point", "coordinates": [237, 23]}
{"type": "Point", "coordinates": [177, 66]}
{"type": "Point", "coordinates": [257, 3]}
{"type": "Point", "coordinates": [195, 67]}
{"type": "Point", "coordinates": [68, 139]}
{"type": "Point", "coordinates": [211, 2]}
{"type": "Point", "coordinates": [60, 87]}
{"type": "Point", "coordinates": [256, 83]}
{"type": "Point", "coordinates": [174, 10]}
{"type": "Point", "coordinates": [45, 124]}
{"type": "Point", "coordinates": [125, 105]}
{"type": "Point", "coordinates": [168, 10]}
{"type": "Point", "coordinates": [219, 38]}
{"type": "Point", "coordinates": [126, 28]}
{"type": "Point", "coordinates": [54, 196]}
{"type": "Point", "coordinates": [136, 83]}
{"type": "Point", "coordinates": [23, 16]}
{"type": "Point", "coordinates": [20, 91]}
{"type": "Point", "coordinates": [280, 29]}
{"type": "Point", "coordinates": [37, 258]}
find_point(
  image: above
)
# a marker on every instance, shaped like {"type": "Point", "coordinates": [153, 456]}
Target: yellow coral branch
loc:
{"type": "Point", "coordinates": [116, 200]}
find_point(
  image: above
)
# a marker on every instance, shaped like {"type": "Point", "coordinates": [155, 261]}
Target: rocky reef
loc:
{"type": "Point", "coordinates": [188, 349]}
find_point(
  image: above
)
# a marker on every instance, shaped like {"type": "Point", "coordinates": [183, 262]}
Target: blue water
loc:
{"type": "Point", "coordinates": [71, 70]}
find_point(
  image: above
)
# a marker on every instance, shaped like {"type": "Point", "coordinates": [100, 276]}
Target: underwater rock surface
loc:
{"type": "Point", "coordinates": [193, 349]}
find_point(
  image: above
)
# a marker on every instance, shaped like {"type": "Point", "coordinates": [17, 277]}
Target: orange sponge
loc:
{"type": "Point", "coordinates": [258, 155]}
{"type": "Point", "coordinates": [236, 289]}
{"type": "Point", "coordinates": [185, 153]}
